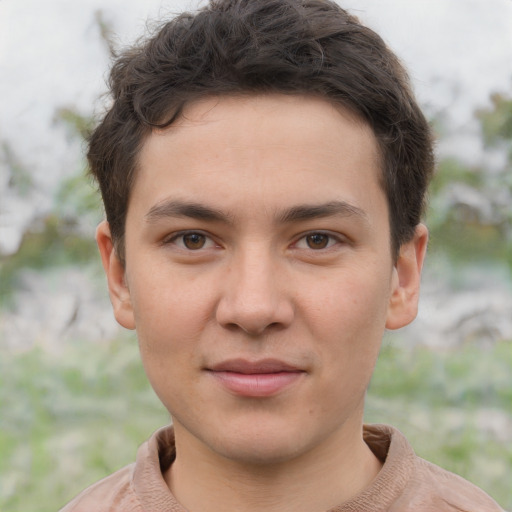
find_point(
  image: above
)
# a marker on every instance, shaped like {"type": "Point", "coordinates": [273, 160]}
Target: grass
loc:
{"type": "Point", "coordinates": [57, 430]}
{"type": "Point", "coordinates": [72, 417]}
{"type": "Point", "coordinates": [455, 407]}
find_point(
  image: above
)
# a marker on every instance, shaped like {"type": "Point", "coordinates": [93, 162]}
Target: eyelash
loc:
{"type": "Point", "coordinates": [175, 240]}
{"type": "Point", "coordinates": [332, 240]}
{"type": "Point", "coordinates": [178, 239]}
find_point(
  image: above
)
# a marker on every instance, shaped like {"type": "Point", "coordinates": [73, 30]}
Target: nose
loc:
{"type": "Point", "coordinates": [255, 297]}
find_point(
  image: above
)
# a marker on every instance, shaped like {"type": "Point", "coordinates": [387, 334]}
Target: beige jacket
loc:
{"type": "Point", "coordinates": [406, 483]}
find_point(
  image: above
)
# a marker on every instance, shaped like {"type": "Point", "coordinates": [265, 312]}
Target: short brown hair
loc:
{"type": "Point", "coordinates": [264, 46]}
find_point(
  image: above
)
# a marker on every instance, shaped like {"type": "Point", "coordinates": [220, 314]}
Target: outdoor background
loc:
{"type": "Point", "coordinates": [74, 402]}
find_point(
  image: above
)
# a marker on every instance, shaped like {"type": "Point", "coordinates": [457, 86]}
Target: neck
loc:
{"type": "Point", "coordinates": [327, 476]}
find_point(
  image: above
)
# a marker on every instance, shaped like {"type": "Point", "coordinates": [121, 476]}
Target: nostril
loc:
{"type": "Point", "coordinates": [254, 326]}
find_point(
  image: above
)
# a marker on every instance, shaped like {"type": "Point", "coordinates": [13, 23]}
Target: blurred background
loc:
{"type": "Point", "coordinates": [74, 402]}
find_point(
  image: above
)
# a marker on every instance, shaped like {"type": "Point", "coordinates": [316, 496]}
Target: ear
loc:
{"type": "Point", "coordinates": [116, 278]}
{"type": "Point", "coordinates": [403, 303]}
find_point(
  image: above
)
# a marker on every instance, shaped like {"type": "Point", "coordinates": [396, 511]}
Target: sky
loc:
{"type": "Point", "coordinates": [51, 55]}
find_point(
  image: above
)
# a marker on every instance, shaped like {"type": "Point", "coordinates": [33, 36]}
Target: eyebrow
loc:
{"type": "Point", "coordinates": [316, 211]}
{"type": "Point", "coordinates": [179, 208]}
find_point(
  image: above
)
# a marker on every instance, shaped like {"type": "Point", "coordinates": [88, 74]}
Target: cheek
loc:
{"type": "Point", "coordinates": [168, 331]}
{"type": "Point", "coordinates": [347, 325]}
{"type": "Point", "coordinates": [357, 301]}
{"type": "Point", "coordinates": [169, 316]}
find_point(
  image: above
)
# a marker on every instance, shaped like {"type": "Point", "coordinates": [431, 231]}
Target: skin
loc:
{"type": "Point", "coordinates": [226, 258]}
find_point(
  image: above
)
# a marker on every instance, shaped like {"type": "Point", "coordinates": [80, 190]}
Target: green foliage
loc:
{"type": "Point", "coordinates": [497, 122]}
{"type": "Point", "coordinates": [20, 179]}
{"type": "Point", "coordinates": [465, 376]}
{"type": "Point", "coordinates": [451, 170]}
{"type": "Point", "coordinates": [457, 229]}
{"type": "Point", "coordinates": [78, 124]}
{"type": "Point", "coordinates": [66, 235]}
{"type": "Point", "coordinates": [469, 244]}
{"type": "Point", "coordinates": [57, 430]}
{"type": "Point", "coordinates": [54, 244]}
{"type": "Point", "coordinates": [77, 201]}
{"type": "Point", "coordinates": [450, 406]}
{"type": "Point", "coordinates": [76, 196]}
{"type": "Point", "coordinates": [451, 232]}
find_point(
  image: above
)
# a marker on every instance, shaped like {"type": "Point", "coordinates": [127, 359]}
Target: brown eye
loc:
{"type": "Point", "coordinates": [194, 241]}
{"type": "Point", "coordinates": [317, 241]}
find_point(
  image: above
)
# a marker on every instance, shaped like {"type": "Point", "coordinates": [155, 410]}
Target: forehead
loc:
{"type": "Point", "coordinates": [272, 149]}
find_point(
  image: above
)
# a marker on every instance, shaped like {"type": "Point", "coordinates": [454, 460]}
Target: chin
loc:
{"type": "Point", "coordinates": [258, 452]}
{"type": "Point", "coordinates": [265, 442]}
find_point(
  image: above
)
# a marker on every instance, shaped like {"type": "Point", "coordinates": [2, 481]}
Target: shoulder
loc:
{"type": "Point", "coordinates": [409, 483]}
{"type": "Point", "coordinates": [113, 493]}
{"type": "Point", "coordinates": [137, 487]}
{"type": "Point", "coordinates": [434, 488]}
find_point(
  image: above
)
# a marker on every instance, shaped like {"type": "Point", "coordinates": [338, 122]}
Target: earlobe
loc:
{"type": "Point", "coordinates": [116, 278]}
{"type": "Point", "coordinates": [403, 304]}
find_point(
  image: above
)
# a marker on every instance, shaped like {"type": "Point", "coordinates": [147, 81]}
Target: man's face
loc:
{"type": "Point", "coordinates": [259, 274]}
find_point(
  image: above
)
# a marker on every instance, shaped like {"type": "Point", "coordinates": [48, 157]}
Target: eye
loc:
{"type": "Point", "coordinates": [194, 241]}
{"type": "Point", "coordinates": [191, 240]}
{"type": "Point", "coordinates": [317, 241]}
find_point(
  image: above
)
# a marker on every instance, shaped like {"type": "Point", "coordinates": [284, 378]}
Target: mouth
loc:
{"type": "Point", "coordinates": [263, 378]}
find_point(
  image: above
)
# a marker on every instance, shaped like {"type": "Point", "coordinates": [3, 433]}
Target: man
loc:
{"type": "Point", "coordinates": [263, 168]}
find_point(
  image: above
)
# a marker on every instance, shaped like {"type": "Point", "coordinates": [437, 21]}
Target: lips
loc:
{"type": "Point", "coordinates": [262, 378]}
{"type": "Point", "coordinates": [250, 368]}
